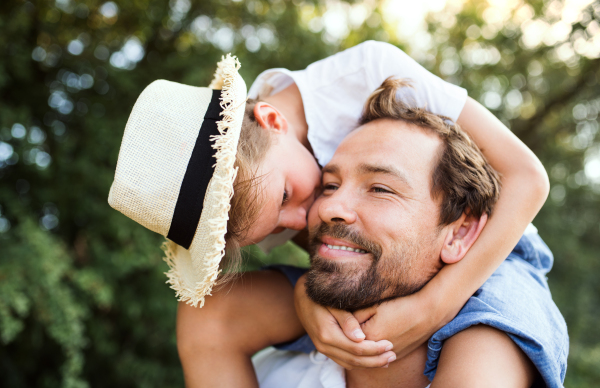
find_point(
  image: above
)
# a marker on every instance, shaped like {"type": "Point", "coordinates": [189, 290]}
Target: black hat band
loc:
{"type": "Point", "coordinates": [198, 174]}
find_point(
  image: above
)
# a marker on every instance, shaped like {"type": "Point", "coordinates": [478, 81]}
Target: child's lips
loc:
{"type": "Point", "coordinates": [278, 230]}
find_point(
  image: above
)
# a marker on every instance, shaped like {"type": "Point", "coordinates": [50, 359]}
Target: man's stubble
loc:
{"type": "Point", "coordinates": [348, 286]}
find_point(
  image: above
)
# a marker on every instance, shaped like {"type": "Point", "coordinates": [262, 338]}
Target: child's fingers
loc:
{"type": "Point", "coordinates": [349, 325]}
{"type": "Point", "coordinates": [337, 345]}
{"type": "Point", "coordinates": [350, 361]}
{"type": "Point", "coordinates": [365, 314]}
{"type": "Point", "coordinates": [367, 348]}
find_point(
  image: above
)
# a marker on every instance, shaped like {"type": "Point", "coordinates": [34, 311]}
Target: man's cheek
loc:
{"type": "Point", "coordinates": [313, 214]}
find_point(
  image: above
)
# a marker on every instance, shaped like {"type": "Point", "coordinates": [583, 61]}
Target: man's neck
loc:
{"type": "Point", "coordinates": [406, 372]}
{"type": "Point", "coordinates": [289, 103]}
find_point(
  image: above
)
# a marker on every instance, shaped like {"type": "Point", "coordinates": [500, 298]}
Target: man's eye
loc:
{"type": "Point", "coordinates": [380, 190]}
{"type": "Point", "coordinates": [285, 197]}
{"type": "Point", "coordinates": [329, 187]}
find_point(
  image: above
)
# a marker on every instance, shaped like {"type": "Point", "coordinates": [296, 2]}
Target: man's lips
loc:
{"type": "Point", "coordinates": [336, 248]}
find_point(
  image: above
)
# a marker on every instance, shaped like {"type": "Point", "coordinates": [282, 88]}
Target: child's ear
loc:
{"type": "Point", "coordinates": [270, 118]}
{"type": "Point", "coordinates": [460, 237]}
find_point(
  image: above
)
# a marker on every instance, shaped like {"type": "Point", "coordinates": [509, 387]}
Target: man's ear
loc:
{"type": "Point", "coordinates": [270, 118]}
{"type": "Point", "coordinates": [461, 236]}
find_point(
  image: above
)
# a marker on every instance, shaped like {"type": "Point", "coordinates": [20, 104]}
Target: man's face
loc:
{"type": "Point", "coordinates": [375, 231]}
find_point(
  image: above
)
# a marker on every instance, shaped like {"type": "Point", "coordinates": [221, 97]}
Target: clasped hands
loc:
{"type": "Point", "coordinates": [369, 338]}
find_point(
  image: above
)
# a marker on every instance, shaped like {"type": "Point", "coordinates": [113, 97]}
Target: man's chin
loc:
{"type": "Point", "coordinates": [354, 286]}
{"type": "Point", "coordinates": [348, 268]}
{"type": "Point", "coordinates": [331, 285]}
{"type": "Point", "coordinates": [328, 294]}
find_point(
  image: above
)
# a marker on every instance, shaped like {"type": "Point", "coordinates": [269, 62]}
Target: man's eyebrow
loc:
{"type": "Point", "coordinates": [331, 169]}
{"type": "Point", "coordinates": [366, 168]}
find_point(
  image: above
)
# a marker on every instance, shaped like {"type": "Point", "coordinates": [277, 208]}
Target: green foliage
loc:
{"type": "Point", "coordinates": [288, 253]}
{"type": "Point", "coordinates": [82, 294]}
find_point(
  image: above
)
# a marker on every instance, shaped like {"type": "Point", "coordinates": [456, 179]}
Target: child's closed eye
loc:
{"type": "Point", "coordinates": [285, 197]}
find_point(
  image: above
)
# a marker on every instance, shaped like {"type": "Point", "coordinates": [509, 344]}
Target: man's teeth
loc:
{"type": "Point", "coordinates": [345, 248]}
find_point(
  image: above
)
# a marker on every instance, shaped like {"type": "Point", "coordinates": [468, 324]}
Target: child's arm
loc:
{"type": "Point", "coordinates": [408, 322]}
{"type": "Point", "coordinates": [525, 188]}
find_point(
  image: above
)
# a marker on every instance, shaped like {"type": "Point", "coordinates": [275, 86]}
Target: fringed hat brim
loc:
{"type": "Point", "coordinates": [193, 272]}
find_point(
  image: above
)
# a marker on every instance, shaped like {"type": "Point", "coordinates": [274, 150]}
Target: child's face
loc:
{"type": "Point", "coordinates": [291, 179]}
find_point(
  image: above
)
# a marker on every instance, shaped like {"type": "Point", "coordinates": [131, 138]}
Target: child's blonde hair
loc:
{"type": "Point", "coordinates": [247, 201]}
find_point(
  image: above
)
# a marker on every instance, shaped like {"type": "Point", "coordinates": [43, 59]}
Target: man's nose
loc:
{"type": "Point", "coordinates": [294, 219]}
{"type": "Point", "coordinates": [337, 208]}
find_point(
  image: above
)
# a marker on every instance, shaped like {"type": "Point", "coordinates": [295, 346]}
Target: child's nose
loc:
{"type": "Point", "coordinates": [295, 219]}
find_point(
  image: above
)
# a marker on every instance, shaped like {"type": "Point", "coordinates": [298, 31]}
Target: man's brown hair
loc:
{"type": "Point", "coordinates": [462, 178]}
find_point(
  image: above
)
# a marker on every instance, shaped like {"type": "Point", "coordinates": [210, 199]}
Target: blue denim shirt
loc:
{"type": "Point", "coordinates": [515, 299]}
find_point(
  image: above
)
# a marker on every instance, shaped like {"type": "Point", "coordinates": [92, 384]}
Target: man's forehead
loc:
{"type": "Point", "coordinates": [392, 145]}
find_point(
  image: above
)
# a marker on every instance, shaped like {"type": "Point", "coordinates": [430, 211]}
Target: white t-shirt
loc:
{"type": "Point", "coordinates": [335, 89]}
{"type": "Point", "coordinates": [283, 369]}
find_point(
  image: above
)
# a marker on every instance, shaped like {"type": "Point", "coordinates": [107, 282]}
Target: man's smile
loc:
{"type": "Point", "coordinates": [345, 248]}
{"type": "Point", "coordinates": [333, 248]}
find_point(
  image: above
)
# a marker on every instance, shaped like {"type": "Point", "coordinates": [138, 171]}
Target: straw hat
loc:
{"type": "Point", "coordinates": [175, 172]}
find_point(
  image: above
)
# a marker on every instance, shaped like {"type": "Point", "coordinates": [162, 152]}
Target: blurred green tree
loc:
{"type": "Point", "coordinates": [82, 294]}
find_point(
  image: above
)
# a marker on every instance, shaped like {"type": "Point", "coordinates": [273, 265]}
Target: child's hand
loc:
{"type": "Point", "coordinates": [407, 322]}
{"type": "Point", "coordinates": [337, 334]}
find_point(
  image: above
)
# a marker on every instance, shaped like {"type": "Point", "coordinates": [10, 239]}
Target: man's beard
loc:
{"type": "Point", "coordinates": [346, 286]}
